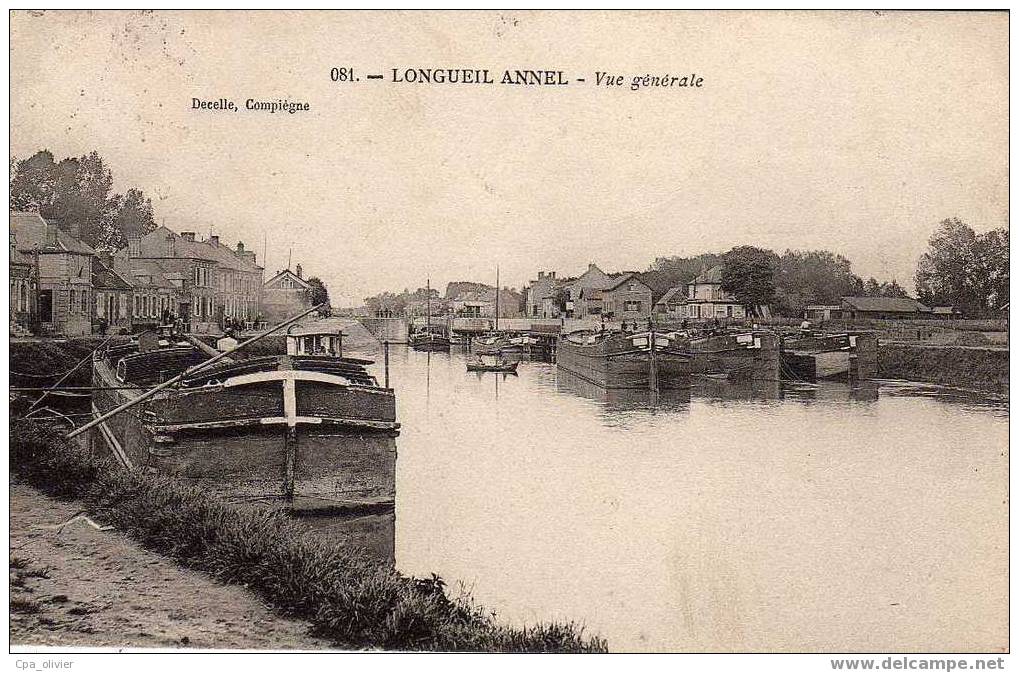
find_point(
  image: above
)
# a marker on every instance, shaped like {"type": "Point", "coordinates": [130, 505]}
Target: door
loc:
{"type": "Point", "coordinates": [46, 305]}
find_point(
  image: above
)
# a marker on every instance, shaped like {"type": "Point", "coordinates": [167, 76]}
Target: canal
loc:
{"type": "Point", "coordinates": [779, 518]}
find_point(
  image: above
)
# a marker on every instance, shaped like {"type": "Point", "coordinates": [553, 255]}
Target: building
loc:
{"type": "Point", "coordinates": [672, 305]}
{"type": "Point", "coordinates": [705, 298]}
{"type": "Point", "coordinates": [24, 286]}
{"type": "Point", "coordinates": [477, 300]}
{"type": "Point", "coordinates": [626, 298]}
{"type": "Point", "coordinates": [542, 296]}
{"type": "Point", "coordinates": [173, 258]}
{"type": "Point", "coordinates": [113, 297]}
{"type": "Point", "coordinates": [158, 292]}
{"type": "Point", "coordinates": [238, 282]}
{"type": "Point", "coordinates": [819, 312]}
{"type": "Point", "coordinates": [285, 295]}
{"type": "Point", "coordinates": [64, 274]}
{"type": "Point", "coordinates": [580, 304]}
{"type": "Point", "coordinates": [883, 308]}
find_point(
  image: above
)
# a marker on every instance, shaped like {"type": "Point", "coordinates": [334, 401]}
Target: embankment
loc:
{"type": "Point", "coordinates": [350, 599]}
{"type": "Point", "coordinates": [977, 368]}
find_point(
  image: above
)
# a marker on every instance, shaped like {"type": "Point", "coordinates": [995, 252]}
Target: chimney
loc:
{"type": "Point", "coordinates": [188, 236]}
{"type": "Point", "coordinates": [214, 240]}
{"type": "Point", "coordinates": [240, 247]}
{"type": "Point", "coordinates": [552, 275]}
{"type": "Point", "coordinates": [591, 266]}
{"type": "Point", "coordinates": [134, 246]}
{"type": "Point", "coordinates": [299, 271]}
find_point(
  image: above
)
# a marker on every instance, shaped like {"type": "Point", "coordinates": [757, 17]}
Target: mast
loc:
{"type": "Point", "coordinates": [428, 303]}
{"type": "Point", "coordinates": [497, 298]}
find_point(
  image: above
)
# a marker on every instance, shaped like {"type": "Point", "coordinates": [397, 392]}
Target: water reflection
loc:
{"type": "Point", "coordinates": [759, 516]}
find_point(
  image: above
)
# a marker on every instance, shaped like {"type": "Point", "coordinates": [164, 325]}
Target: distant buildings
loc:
{"type": "Point", "coordinates": [542, 296]}
{"type": "Point", "coordinates": [872, 308]}
{"type": "Point", "coordinates": [617, 296]}
{"type": "Point", "coordinates": [476, 300]}
{"type": "Point", "coordinates": [23, 285]}
{"type": "Point", "coordinates": [63, 267]}
{"type": "Point", "coordinates": [285, 295]}
{"type": "Point", "coordinates": [114, 297]}
{"type": "Point", "coordinates": [701, 299]}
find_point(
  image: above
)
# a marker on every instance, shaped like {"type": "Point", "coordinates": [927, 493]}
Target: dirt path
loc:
{"type": "Point", "coordinates": [86, 587]}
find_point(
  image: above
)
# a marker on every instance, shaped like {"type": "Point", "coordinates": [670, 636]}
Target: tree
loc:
{"type": "Point", "coordinates": [749, 274]}
{"type": "Point", "coordinates": [78, 194]}
{"type": "Point", "coordinates": [33, 182]}
{"type": "Point", "coordinates": [132, 217]}
{"type": "Point", "coordinates": [872, 288]}
{"type": "Point", "coordinates": [318, 294]}
{"type": "Point", "coordinates": [813, 277]}
{"type": "Point", "coordinates": [963, 269]}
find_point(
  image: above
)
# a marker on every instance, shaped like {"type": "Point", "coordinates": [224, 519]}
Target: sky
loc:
{"type": "Point", "coordinates": [855, 132]}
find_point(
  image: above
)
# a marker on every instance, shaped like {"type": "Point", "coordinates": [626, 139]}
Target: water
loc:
{"type": "Point", "coordinates": [778, 518]}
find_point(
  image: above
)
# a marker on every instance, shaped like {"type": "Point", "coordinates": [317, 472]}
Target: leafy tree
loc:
{"type": "Point", "coordinates": [318, 294]}
{"type": "Point", "coordinates": [78, 193]}
{"type": "Point", "coordinates": [749, 274]}
{"type": "Point", "coordinates": [133, 216]}
{"type": "Point", "coordinates": [873, 288]}
{"type": "Point", "coordinates": [813, 277]}
{"type": "Point", "coordinates": [33, 182]}
{"type": "Point", "coordinates": [963, 269]}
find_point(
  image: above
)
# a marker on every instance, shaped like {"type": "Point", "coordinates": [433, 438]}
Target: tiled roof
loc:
{"type": "Point", "coordinates": [105, 277]}
{"type": "Point", "coordinates": [668, 296]}
{"type": "Point", "coordinates": [712, 276]}
{"type": "Point", "coordinates": [884, 304]}
{"type": "Point", "coordinates": [30, 233]}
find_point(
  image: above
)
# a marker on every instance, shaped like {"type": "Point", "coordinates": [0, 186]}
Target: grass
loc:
{"type": "Point", "coordinates": [348, 597]}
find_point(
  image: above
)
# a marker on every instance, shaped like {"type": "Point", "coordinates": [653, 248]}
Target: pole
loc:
{"type": "Point", "coordinates": [71, 371]}
{"type": "Point", "coordinates": [166, 384]}
{"type": "Point", "coordinates": [385, 345]}
{"type": "Point", "coordinates": [653, 364]}
{"type": "Point", "coordinates": [497, 298]}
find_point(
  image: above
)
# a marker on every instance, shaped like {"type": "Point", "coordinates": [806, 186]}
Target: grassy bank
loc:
{"type": "Point", "coordinates": [349, 598]}
{"type": "Point", "coordinates": [979, 369]}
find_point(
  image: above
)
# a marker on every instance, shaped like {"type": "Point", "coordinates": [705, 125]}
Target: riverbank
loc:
{"type": "Point", "coordinates": [976, 368]}
{"type": "Point", "coordinates": [348, 598]}
{"type": "Point", "coordinates": [75, 585]}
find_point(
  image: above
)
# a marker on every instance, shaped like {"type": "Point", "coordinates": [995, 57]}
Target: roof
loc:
{"type": "Point", "coordinates": [712, 276]}
{"type": "Point", "coordinates": [30, 233]}
{"type": "Point", "coordinates": [153, 246]}
{"type": "Point", "coordinates": [135, 268]}
{"type": "Point", "coordinates": [106, 278]}
{"type": "Point", "coordinates": [623, 278]}
{"type": "Point", "coordinates": [291, 274]}
{"type": "Point", "coordinates": [19, 258]}
{"type": "Point", "coordinates": [673, 291]}
{"type": "Point", "coordinates": [884, 304]}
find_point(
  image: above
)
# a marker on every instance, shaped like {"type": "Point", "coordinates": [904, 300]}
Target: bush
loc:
{"type": "Point", "coordinates": [347, 596]}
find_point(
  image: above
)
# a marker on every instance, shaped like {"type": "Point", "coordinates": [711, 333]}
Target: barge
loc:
{"type": "Point", "coordinates": [820, 357]}
{"type": "Point", "coordinates": [624, 360]}
{"type": "Point", "coordinates": [307, 430]}
{"type": "Point", "coordinates": [740, 356]}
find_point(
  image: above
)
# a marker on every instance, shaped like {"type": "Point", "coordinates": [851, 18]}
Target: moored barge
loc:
{"type": "Point", "coordinates": [624, 360]}
{"type": "Point", "coordinates": [296, 428]}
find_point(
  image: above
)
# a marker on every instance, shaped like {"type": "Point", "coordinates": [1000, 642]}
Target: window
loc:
{"type": "Point", "coordinates": [632, 307]}
{"type": "Point", "coordinates": [137, 306]}
{"type": "Point", "coordinates": [70, 301]}
{"type": "Point", "coordinates": [633, 287]}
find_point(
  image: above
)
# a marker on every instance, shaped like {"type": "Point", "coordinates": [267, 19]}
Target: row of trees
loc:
{"type": "Point", "coordinates": [962, 269]}
{"type": "Point", "coordinates": [78, 191]}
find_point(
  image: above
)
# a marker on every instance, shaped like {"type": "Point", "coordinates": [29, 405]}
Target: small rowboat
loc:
{"type": "Point", "coordinates": [479, 365]}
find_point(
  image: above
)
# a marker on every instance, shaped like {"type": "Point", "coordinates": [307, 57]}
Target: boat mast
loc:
{"type": "Point", "coordinates": [497, 298]}
{"type": "Point", "coordinates": [428, 304]}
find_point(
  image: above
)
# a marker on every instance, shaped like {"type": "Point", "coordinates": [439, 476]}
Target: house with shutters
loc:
{"type": "Point", "coordinates": [188, 265]}
{"type": "Point", "coordinates": [285, 295]}
{"type": "Point", "coordinates": [24, 286]}
{"type": "Point", "coordinates": [64, 273]}
{"type": "Point", "coordinates": [113, 297]}
{"type": "Point", "coordinates": [706, 300]}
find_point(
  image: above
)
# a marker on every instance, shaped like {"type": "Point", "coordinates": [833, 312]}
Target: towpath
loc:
{"type": "Point", "coordinates": [79, 586]}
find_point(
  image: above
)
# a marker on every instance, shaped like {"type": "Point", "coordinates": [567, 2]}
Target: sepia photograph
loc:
{"type": "Point", "coordinates": [506, 331]}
